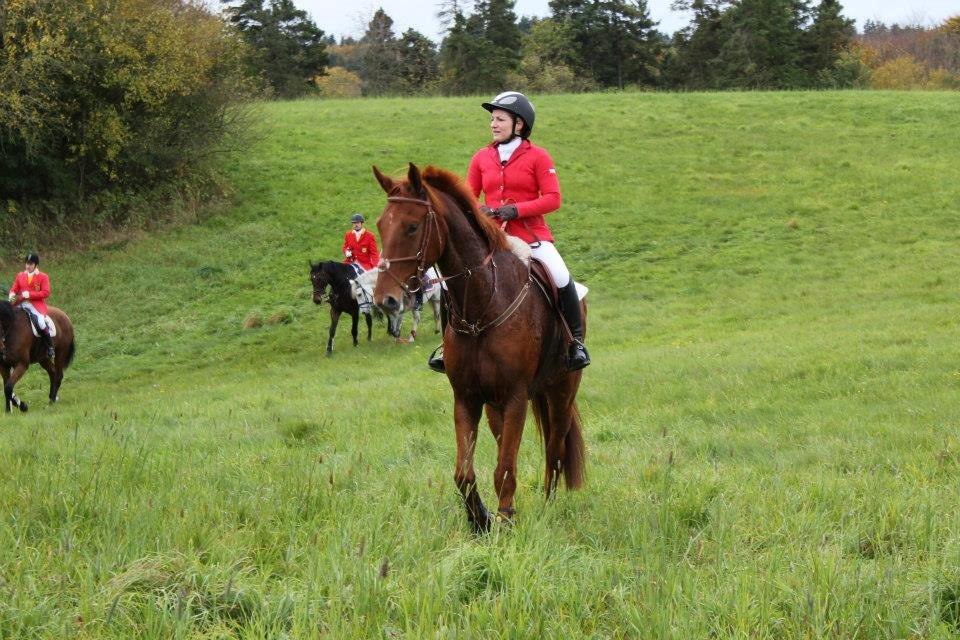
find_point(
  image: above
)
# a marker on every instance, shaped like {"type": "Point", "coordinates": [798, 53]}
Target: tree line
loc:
{"type": "Point", "coordinates": [586, 45]}
{"type": "Point", "coordinates": [112, 110]}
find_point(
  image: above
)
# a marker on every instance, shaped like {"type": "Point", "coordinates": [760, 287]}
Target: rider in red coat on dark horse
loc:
{"type": "Point", "coordinates": [30, 291]}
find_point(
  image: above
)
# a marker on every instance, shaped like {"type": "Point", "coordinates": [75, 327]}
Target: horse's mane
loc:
{"type": "Point", "coordinates": [339, 275]}
{"type": "Point", "coordinates": [6, 313]}
{"type": "Point", "coordinates": [449, 183]}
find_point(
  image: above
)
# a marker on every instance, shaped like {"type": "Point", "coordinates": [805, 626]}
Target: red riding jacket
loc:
{"type": "Point", "coordinates": [528, 180]}
{"type": "Point", "coordinates": [363, 251]}
{"type": "Point", "coordinates": [37, 287]}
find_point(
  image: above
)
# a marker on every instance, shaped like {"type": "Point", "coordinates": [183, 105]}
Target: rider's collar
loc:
{"type": "Point", "coordinates": [506, 149]}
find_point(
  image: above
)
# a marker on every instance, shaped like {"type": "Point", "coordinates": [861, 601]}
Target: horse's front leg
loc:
{"type": "Point", "coordinates": [5, 374]}
{"type": "Point", "coordinates": [369, 317]}
{"type": "Point", "coordinates": [466, 417]}
{"type": "Point", "coordinates": [334, 319]}
{"type": "Point", "coordinates": [354, 326]}
{"type": "Point", "coordinates": [507, 426]}
{"type": "Point", "coordinates": [436, 315]}
{"type": "Point", "coordinates": [9, 381]}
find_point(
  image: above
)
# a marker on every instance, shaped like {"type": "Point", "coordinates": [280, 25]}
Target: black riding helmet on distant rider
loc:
{"type": "Point", "coordinates": [32, 258]}
{"type": "Point", "coordinates": [516, 103]}
{"type": "Point", "coordinates": [357, 217]}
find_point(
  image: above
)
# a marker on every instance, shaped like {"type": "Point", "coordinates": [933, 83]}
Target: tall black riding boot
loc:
{"type": "Point", "coordinates": [435, 361]}
{"type": "Point", "coordinates": [577, 357]}
{"type": "Point", "coordinates": [48, 339]}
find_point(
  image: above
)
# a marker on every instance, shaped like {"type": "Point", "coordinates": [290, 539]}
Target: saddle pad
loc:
{"type": "Point", "coordinates": [50, 323]}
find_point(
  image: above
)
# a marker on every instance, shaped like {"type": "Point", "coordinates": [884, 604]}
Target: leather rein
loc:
{"type": "Point", "coordinates": [457, 317]}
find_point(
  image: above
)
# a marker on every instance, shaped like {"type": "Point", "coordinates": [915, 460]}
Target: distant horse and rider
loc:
{"type": "Point", "coordinates": [338, 277]}
{"type": "Point", "coordinates": [505, 343]}
{"type": "Point", "coordinates": [31, 331]}
{"type": "Point", "coordinates": [20, 346]}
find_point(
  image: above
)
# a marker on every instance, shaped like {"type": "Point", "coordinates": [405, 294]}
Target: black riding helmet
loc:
{"type": "Point", "coordinates": [32, 258]}
{"type": "Point", "coordinates": [357, 217]}
{"type": "Point", "coordinates": [517, 104]}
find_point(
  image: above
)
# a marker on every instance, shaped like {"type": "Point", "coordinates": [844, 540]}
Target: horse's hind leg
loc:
{"type": "Point", "coordinates": [436, 315]}
{"type": "Point", "coordinates": [56, 378]}
{"type": "Point", "coordinates": [562, 434]}
{"type": "Point", "coordinates": [416, 324]}
{"type": "Point", "coordinates": [466, 416]}
{"type": "Point", "coordinates": [369, 317]}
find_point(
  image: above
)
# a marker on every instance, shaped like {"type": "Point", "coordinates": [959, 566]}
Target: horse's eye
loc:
{"type": "Point", "coordinates": [412, 228]}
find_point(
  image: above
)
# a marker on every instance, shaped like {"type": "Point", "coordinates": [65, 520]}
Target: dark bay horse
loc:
{"type": "Point", "coordinates": [19, 347]}
{"type": "Point", "coordinates": [504, 344]}
{"type": "Point", "coordinates": [337, 276]}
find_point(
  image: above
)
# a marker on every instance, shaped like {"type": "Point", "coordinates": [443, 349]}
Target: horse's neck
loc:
{"type": "Point", "coordinates": [466, 249]}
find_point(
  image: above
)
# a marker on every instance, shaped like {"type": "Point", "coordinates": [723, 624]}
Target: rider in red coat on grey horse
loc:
{"type": "Point", "coordinates": [359, 245]}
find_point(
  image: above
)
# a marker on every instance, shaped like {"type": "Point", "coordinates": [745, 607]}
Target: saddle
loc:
{"type": "Point", "coordinates": [37, 329]}
{"type": "Point", "coordinates": [541, 276]}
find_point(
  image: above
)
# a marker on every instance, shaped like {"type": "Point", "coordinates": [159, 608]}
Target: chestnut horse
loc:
{"type": "Point", "coordinates": [504, 344]}
{"type": "Point", "coordinates": [19, 347]}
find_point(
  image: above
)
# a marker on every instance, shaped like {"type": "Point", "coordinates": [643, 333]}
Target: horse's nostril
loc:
{"type": "Point", "coordinates": [390, 303]}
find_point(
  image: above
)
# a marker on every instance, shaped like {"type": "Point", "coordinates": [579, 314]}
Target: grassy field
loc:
{"type": "Point", "coordinates": [772, 416]}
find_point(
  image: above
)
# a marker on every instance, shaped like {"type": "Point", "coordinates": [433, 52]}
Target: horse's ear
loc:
{"type": "Point", "coordinates": [416, 184]}
{"type": "Point", "coordinates": [386, 183]}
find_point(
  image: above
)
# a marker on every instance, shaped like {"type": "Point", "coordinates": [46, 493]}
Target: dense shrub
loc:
{"type": "Point", "coordinates": [110, 95]}
{"type": "Point", "coordinates": [903, 72]}
{"type": "Point", "coordinates": [339, 83]}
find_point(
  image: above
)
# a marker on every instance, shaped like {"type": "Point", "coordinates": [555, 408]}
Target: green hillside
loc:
{"type": "Point", "coordinates": [772, 415]}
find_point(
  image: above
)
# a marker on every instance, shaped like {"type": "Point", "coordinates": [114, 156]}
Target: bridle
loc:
{"type": "Point", "coordinates": [321, 291]}
{"type": "Point", "coordinates": [430, 224]}
{"type": "Point", "coordinates": [457, 317]}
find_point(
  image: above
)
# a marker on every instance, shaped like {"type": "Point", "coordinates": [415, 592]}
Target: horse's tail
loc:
{"type": "Point", "coordinates": [563, 444]}
{"type": "Point", "coordinates": [71, 350]}
{"type": "Point", "coordinates": [574, 463]}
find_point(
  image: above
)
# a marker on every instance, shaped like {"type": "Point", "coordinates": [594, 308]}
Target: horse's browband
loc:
{"type": "Point", "coordinates": [425, 203]}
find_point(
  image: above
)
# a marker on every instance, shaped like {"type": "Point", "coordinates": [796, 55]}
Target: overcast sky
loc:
{"type": "Point", "coordinates": [351, 17]}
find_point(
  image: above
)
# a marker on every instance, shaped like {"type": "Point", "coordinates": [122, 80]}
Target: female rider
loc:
{"type": "Point", "coordinates": [519, 184]}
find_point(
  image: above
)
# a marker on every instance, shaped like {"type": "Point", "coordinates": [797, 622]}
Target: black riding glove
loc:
{"type": "Point", "coordinates": [508, 212]}
{"type": "Point", "coordinates": [487, 211]}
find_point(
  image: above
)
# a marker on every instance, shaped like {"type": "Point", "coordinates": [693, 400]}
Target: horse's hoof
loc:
{"type": "Point", "coordinates": [55, 400]}
{"type": "Point", "coordinates": [506, 519]}
{"type": "Point", "coordinates": [483, 524]}
{"type": "Point", "coordinates": [329, 353]}
{"type": "Point", "coordinates": [23, 407]}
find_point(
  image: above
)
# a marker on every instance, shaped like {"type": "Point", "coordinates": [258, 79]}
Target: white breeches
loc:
{"type": "Point", "coordinates": [547, 253]}
{"type": "Point", "coordinates": [41, 320]}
